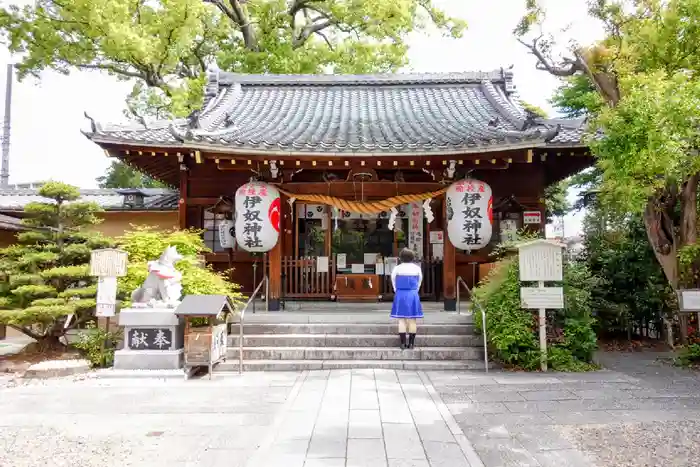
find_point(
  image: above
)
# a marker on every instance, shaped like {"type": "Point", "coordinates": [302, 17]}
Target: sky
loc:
{"type": "Point", "coordinates": [48, 114]}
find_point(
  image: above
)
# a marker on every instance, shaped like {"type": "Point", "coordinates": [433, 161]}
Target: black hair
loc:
{"type": "Point", "coordinates": [407, 256]}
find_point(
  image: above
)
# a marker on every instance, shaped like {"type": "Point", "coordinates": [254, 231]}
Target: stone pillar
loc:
{"type": "Point", "coordinates": [153, 340]}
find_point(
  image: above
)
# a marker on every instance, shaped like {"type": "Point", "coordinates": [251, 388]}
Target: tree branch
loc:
{"type": "Point", "coordinates": [26, 332]}
{"type": "Point", "coordinates": [570, 66]}
{"type": "Point", "coordinates": [113, 69]}
{"type": "Point", "coordinates": [315, 27]}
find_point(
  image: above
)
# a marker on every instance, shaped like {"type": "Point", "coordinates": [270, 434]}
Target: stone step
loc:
{"type": "Point", "coordinates": [356, 353]}
{"type": "Point", "coordinates": [300, 365]}
{"type": "Point", "coordinates": [349, 328]}
{"type": "Point", "coordinates": [351, 340]}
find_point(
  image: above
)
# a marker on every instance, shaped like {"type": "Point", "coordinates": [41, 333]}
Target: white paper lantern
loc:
{"type": "Point", "coordinates": [469, 214]}
{"type": "Point", "coordinates": [258, 213]}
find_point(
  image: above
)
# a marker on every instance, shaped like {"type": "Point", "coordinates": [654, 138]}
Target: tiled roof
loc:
{"type": "Point", "coordinates": [156, 199]}
{"type": "Point", "coordinates": [11, 223]}
{"type": "Point", "coordinates": [353, 114]}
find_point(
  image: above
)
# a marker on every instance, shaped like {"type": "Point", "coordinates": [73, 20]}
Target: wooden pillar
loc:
{"type": "Point", "coordinates": [184, 193]}
{"type": "Point", "coordinates": [449, 266]}
{"type": "Point", "coordinates": [274, 265]}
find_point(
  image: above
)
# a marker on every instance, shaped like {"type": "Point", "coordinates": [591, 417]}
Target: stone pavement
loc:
{"type": "Point", "coordinates": [635, 414]}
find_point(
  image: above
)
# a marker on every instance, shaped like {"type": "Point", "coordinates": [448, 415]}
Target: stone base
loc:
{"type": "Point", "coordinates": [149, 359]}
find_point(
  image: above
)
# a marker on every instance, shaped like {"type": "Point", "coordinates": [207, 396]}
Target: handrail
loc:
{"type": "Point", "coordinates": [241, 317]}
{"type": "Point", "coordinates": [460, 281]}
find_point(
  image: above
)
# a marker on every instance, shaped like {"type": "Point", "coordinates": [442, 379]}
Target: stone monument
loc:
{"type": "Point", "coordinates": [153, 333]}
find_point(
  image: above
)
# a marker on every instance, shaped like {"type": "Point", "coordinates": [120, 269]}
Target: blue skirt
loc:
{"type": "Point", "coordinates": [406, 304]}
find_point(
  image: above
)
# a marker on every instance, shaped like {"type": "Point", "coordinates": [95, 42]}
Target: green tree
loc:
{"type": "Point", "coordinates": [645, 72]}
{"type": "Point", "coordinates": [555, 200]}
{"type": "Point", "coordinates": [167, 45]}
{"type": "Point", "coordinates": [120, 175]}
{"type": "Point", "coordinates": [45, 277]}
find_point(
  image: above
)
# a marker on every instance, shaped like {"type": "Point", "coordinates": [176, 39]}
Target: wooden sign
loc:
{"type": "Point", "coordinates": [532, 217]}
{"type": "Point", "coordinates": [541, 260]}
{"type": "Point", "coordinates": [548, 298]}
{"type": "Point", "coordinates": [108, 262]}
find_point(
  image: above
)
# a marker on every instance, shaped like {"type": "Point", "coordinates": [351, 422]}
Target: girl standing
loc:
{"type": "Point", "coordinates": [406, 279]}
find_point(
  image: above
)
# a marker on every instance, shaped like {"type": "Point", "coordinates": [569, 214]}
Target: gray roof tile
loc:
{"type": "Point", "coordinates": [156, 199]}
{"type": "Point", "coordinates": [353, 114]}
{"type": "Point", "coordinates": [11, 223]}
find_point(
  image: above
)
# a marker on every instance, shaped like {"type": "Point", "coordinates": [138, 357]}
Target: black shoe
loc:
{"type": "Point", "coordinates": [411, 340]}
{"type": "Point", "coordinates": [402, 338]}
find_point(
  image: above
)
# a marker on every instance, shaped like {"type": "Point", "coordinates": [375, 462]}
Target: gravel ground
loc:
{"type": "Point", "coordinates": [658, 444]}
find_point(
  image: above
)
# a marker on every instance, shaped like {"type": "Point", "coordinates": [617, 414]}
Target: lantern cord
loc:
{"type": "Point", "coordinates": [365, 207]}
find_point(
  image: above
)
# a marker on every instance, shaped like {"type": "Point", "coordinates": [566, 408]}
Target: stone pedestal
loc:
{"type": "Point", "coordinates": [153, 340]}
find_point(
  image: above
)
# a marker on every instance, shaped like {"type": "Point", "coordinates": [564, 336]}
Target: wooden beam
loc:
{"type": "Point", "coordinates": [449, 276]}
{"type": "Point", "coordinates": [182, 202]}
{"type": "Point", "coordinates": [382, 189]}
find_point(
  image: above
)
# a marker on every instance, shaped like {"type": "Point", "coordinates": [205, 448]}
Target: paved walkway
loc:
{"type": "Point", "coordinates": [640, 413]}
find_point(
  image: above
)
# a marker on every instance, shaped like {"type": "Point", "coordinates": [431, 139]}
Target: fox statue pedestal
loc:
{"type": "Point", "coordinates": [153, 334]}
{"type": "Point", "coordinates": [153, 340]}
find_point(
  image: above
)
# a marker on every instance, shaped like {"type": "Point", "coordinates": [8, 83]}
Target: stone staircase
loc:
{"type": "Point", "coordinates": [333, 339]}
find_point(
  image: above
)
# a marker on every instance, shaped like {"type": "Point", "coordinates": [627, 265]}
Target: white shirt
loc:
{"type": "Point", "coordinates": [406, 269]}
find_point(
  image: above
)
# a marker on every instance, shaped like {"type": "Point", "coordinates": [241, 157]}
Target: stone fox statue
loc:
{"type": "Point", "coordinates": [162, 285]}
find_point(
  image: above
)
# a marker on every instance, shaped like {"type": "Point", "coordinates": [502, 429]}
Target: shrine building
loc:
{"type": "Point", "coordinates": [351, 169]}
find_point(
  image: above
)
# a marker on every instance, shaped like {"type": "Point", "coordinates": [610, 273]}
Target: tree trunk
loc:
{"type": "Point", "coordinates": [659, 229]}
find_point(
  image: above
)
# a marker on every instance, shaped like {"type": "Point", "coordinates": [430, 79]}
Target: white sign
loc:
{"type": "Point", "coordinates": [322, 264]}
{"type": "Point", "coordinates": [370, 258]}
{"type": "Point", "coordinates": [389, 264]}
{"type": "Point", "coordinates": [438, 251]}
{"type": "Point", "coordinates": [509, 230]}
{"type": "Point", "coordinates": [415, 229]}
{"type": "Point", "coordinates": [342, 260]}
{"type": "Point", "coordinates": [258, 213]}
{"type": "Point", "coordinates": [108, 262]}
{"type": "Point", "coordinates": [107, 290]}
{"type": "Point", "coordinates": [379, 269]}
{"type": "Point", "coordinates": [532, 217]}
{"type": "Point", "coordinates": [541, 260]}
{"type": "Point", "coordinates": [218, 342]}
{"type": "Point", "coordinates": [106, 297]}
{"type": "Point", "coordinates": [469, 214]}
{"type": "Point", "coordinates": [357, 268]}
{"type": "Point", "coordinates": [689, 300]}
{"type": "Point", "coordinates": [226, 234]}
{"type": "Point", "coordinates": [551, 298]}
{"type": "Point", "coordinates": [437, 236]}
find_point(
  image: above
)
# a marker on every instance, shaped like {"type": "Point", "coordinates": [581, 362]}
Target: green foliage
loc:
{"type": "Point", "coordinates": [120, 175]}
{"type": "Point", "coordinates": [555, 200]}
{"type": "Point", "coordinates": [512, 331]}
{"type": "Point", "coordinates": [577, 97]}
{"type": "Point", "coordinates": [633, 293]}
{"type": "Point", "coordinates": [689, 355]}
{"type": "Point", "coordinates": [67, 273]}
{"type": "Point", "coordinates": [79, 292]}
{"type": "Point", "coordinates": [649, 140]}
{"type": "Point", "coordinates": [46, 276]}
{"type": "Point", "coordinates": [166, 45]}
{"type": "Point", "coordinates": [533, 109]}
{"type": "Point", "coordinates": [97, 345]}
{"type": "Point", "coordinates": [146, 244]}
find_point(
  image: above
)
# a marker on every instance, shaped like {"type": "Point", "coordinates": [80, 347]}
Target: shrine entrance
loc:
{"type": "Point", "coordinates": [346, 256]}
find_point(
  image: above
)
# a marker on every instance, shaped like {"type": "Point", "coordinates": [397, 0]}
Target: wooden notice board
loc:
{"type": "Point", "coordinates": [364, 287]}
